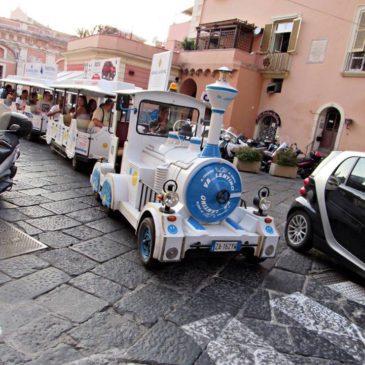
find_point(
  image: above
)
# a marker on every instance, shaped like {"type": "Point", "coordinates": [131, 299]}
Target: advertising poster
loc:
{"type": "Point", "coordinates": [160, 71]}
{"type": "Point", "coordinates": [106, 69]}
{"type": "Point", "coordinates": [40, 70]}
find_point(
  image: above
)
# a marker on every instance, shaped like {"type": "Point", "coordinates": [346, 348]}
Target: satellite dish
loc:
{"type": "Point", "coordinates": [257, 31]}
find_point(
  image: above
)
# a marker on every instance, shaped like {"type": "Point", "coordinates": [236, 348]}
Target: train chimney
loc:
{"type": "Point", "coordinates": [220, 96]}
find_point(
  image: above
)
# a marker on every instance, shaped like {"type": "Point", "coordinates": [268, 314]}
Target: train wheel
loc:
{"type": "Point", "coordinates": [146, 242]}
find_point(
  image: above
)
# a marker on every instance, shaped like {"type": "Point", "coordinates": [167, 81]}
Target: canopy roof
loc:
{"type": "Point", "coordinates": [29, 81]}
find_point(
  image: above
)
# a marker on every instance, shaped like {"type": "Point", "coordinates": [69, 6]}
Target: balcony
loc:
{"type": "Point", "coordinates": [274, 65]}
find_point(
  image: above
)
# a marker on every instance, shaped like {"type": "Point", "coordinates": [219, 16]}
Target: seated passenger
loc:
{"type": "Point", "coordinates": [10, 96]}
{"type": "Point", "coordinates": [101, 116]}
{"type": "Point", "coordinates": [68, 117]}
{"type": "Point", "coordinates": [44, 105]}
{"type": "Point", "coordinates": [160, 125]}
{"type": "Point", "coordinates": [21, 101]}
{"type": "Point", "coordinates": [33, 100]}
{"type": "Point", "coordinates": [56, 110]}
{"type": "Point", "coordinates": [91, 107]}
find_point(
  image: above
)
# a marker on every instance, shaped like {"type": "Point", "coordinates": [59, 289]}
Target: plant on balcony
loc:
{"type": "Point", "coordinates": [284, 164]}
{"type": "Point", "coordinates": [188, 44]}
{"type": "Point", "coordinates": [248, 159]}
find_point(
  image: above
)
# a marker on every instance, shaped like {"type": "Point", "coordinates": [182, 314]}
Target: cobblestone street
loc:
{"type": "Point", "coordinates": [86, 299]}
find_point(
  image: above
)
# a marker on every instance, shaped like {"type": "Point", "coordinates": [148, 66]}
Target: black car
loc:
{"type": "Point", "coordinates": [330, 213]}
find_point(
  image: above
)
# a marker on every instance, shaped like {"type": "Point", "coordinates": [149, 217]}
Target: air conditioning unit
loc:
{"type": "Point", "coordinates": [274, 87]}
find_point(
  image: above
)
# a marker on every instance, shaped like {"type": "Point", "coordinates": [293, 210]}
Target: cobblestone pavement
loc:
{"type": "Point", "coordinates": [87, 300]}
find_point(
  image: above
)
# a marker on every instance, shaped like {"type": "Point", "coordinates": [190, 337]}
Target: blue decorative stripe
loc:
{"type": "Point", "coordinates": [174, 136]}
{"type": "Point", "coordinates": [221, 88]}
{"type": "Point", "coordinates": [235, 225]}
{"type": "Point", "coordinates": [211, 150]}
{"type": "Point", "coordinates": [195, 141]}
{"type": "Point", "coordinates": [218, 111]}
{"type": "Point", "coordinates": [196, 224]}
{"type": "Point", "coordinates": [95, 180]}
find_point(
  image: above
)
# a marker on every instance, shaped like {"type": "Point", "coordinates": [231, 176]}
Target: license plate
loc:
{"type": "Point", "coordinates": [225, 246]}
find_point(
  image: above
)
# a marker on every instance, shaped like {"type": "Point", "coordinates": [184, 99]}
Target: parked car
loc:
{"type": "Point", "coordinates": [108, 72]}
{"type": "Point", "coordinates": [330, 213]}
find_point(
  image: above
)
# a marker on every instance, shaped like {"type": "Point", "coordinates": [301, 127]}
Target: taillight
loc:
{"type": "Point", "coordinates": [303, 191]}
{"type": "Point", "coordinates": [306, 181]}
{"type": "Point", "coordinates": [308, 190]}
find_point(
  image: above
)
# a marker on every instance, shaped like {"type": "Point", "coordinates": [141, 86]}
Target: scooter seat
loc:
{"type": "Point", "coordinates": [8, 143]}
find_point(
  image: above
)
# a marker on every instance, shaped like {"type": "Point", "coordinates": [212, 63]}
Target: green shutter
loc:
{"type": "Point", "coordinates": [294, 35]}
{"type": "Point", "coordinates": [265, 41]}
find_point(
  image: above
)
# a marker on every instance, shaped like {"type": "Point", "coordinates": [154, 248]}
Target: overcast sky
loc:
{"type": "Point", "coordinates": [146, 18]}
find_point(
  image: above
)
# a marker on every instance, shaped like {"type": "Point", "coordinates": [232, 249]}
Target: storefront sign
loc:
{"type": "Point", "coordinates": [160, 71]}
{"type": "Point", "coordinates": [40, 70]}
{"type": "Point", "coordinates": [106, 69]}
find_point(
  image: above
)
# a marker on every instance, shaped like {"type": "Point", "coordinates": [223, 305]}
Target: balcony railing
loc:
{"type": "Point", "coordinates": [275, 64]}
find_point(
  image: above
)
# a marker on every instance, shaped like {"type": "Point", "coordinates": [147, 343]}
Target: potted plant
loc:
{"type": "Point", "coordinates": [248, 159]}
{"type": "Point", "coordinates": [284, 164]}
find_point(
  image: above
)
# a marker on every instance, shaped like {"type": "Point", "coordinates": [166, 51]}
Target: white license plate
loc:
{"type": "Point", "coordinates": [225, 246]}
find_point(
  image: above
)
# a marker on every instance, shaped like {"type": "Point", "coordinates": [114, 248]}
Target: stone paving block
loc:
{"type": "Point", "coordinates": [12, 215]}
{"type": "Point", "coordinates": [4, 278]}
{"type": "Point", "coordinates": [124, 272]}
{"type": "Point", "coordinates": [204, 359]}
{"type": "Point", "coordinates": [257, 306]}
{"type": "Point", "coordinates": [106, 225]}
{"type": "Point", "coordinates": [112, 329]}
{"type": "Point", "coordinates": [68, 186]}
{"type": "Point", "coordinates": [132, 256]}
{"type": "Point", "coordinates": [99, 286]}
{"type": "Point", "coordinates": [19, 185]}
{"type": "Point", "coordinates": [25, 201]}
{"type": "Point", "coordinates": [355, 312]}
{"type": "Point", "coordinates": [228, 291]}
{"type": "Point", "coordinates": [27, 228]}
{"type": "Point", "coordinates": [284, 281]}
{"type": "Point", "coordinates": [165, 343]}
{"type": "Point", "coordinates": [35, 191]}
{"type": "Point", "coordinates": [9, 356]}
{"type": "Point", "coordinates": [65, 206]}
{"type": "Point", "coordinates": [57, 239]}
{"type": "Point", "coordinates": [61, 195]}
{"type": "Point", "coordinates": [245, 273]}
{"type": "Point", "coordinates": [32, 285]}
{"type": "Point", "coordinates": [149, 303]}
{"type": "Point", "coordinates": [15, 316]}
{"type": "Point", "coordinates": [17, 267]}
{"type": "Point", "coordinates": [84, 191]}
{"type": "Point", "coordinates": [69, 261]}
{"type": "Point", "coordinates": [305, 360]}
{"type": "Point", "coordinates": [89, 200]}
{"type": "Point", "coordinates": [200, 307]}
{"type": "Point", "coordinates": [53, 223]}
{"type": "Point", "coordinates": [83, 233]}
{"type": "Point", "coordinates": [72, 303]}
{"type": "Point", "coordinates": [88, 215]}
{"type": "Point", "coordinates": [6, 205]}
{"type": "Point", "coordinates": [39, 335]}
{"type": "Point", "coordinates": [188, 275]}
{"type": "Point", "coordinates": [100, 249]}
{"type": "Point", "coordinates": [294, 262]}
{"type": "Point", "coordinates": [35, 183]}
{"type": "Point", "coordinates": [35, 211]}
{"type": "Point", "coordinates": [125, 236]}
{"type": "Point", "coordinates": [320, 292]}
{"type": "Point", "coordinates": [62, 354]}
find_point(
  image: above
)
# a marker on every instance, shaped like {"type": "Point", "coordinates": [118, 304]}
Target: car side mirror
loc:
{"type": "Point", "coordinates": [332, 183]}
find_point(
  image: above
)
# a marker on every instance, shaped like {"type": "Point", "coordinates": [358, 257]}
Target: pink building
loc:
{"type": "Point", "coordinates": [299, 68]}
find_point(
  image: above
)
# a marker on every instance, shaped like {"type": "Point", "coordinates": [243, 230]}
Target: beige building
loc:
{"type": "Point", "coordinates": [299, 68]}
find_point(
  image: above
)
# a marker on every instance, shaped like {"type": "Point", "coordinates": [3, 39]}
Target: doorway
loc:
{"type": "Point", "coordinates": [330, 129]}
{"type": "Point", "coordinates": [189, 87]}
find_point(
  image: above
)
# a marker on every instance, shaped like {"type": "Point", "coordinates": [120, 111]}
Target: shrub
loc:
{"type": "Point", "coordinates": [248, 154]}
{"type": "Point", "coordinates": [286, 158]}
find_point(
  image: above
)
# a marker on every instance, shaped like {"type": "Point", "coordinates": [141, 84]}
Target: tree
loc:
{"type": "Point", "coordinates": [188, 44]}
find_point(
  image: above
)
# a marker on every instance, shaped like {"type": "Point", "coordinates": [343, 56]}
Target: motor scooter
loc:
{"type": "Point", "coordinates": [12, 126]}
{"type": "Point", "coordinates": [309, 163]}
{"type": "Point", "coordinates": [228, 148]}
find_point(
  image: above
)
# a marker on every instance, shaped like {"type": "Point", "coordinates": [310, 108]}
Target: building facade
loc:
{"type": "Point", "coordinates": [299, 68]}
{"type": "Point", "coordinates": [23, 40]}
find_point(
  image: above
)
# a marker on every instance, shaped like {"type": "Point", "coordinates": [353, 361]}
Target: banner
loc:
{"type": "Point", "coordinates": [160, 71]}
{"type": "Point", "coordinates": [106, 69]}
{"type": "Point", "coordinates": [40, 70]}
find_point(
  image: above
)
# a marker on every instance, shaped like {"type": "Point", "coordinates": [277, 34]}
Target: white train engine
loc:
{"type": "Point", "coordinates": [176, 194]}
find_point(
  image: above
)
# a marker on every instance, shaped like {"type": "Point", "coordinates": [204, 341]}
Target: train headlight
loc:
{"type": "Point", "coordinates": [264, 204]}
{"type": "Point", "coordinates": [171, 199]}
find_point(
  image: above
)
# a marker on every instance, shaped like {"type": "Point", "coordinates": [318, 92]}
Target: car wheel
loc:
{"type": "Point", "coordinates": [146, 242]}
{"type": "Point", "coordinates": [298, 231]}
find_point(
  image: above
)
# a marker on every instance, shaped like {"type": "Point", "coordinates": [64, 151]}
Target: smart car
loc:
{"type": "Point", "coordinates": [329, 214]}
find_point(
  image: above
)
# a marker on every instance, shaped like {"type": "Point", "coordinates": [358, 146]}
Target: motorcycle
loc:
{"type": "Point", "coordinates": [12, 126]}
{"type": "Point", "coordinates": [229, 145]}
{"type": "Point", "coordinates": [269, 154]}
{"type": "Point", "coordinates": [309, 163]}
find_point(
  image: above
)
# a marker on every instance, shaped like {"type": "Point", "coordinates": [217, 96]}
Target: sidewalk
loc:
{"type": "Point", "coordinates": [87, 300]}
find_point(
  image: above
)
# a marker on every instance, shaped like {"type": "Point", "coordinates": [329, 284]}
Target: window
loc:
{"type": "Point", "coordinates": [343, 171]}
{"type": "Point", "coordinates": [356, 56]}
{"type": "Point", "coordinates": [281, 36]}
{"type": "Point", "coordinates": [357, 177]}
{"type": "Point", "coordinates": [159, 119]}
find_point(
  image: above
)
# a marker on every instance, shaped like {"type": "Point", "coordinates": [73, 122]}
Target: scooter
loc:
{"type": "Point", "coordinates": [268, 155]}
{"type": "Point", "coordinates": [309, 163]}
{"type": "Point", "coordinates": [228, 148]}
{"type": "Point", "coordinates": [12, 126]}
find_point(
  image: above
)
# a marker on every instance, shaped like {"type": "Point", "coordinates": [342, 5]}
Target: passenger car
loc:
{"type": "Point", "coordinates": [108, 72]}
{"type": "Point", "coordinates": [330, 213]}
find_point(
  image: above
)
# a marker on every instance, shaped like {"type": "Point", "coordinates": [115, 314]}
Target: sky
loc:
{"type": "Point", "coordinates": [149, 19]}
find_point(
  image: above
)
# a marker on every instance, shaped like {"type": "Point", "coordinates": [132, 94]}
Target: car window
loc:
{"type": "Point", "coordinates": [357, 177]}
{"type": "Point", "coordinates": [344, 169]}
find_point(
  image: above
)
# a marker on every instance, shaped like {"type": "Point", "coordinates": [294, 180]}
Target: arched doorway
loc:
{"type": "Point", "coordinates": [188, 87]}
{"type": "Point", "coordinates": [267, 125]}
{"type": "Point", "coordinates": [328, 128]}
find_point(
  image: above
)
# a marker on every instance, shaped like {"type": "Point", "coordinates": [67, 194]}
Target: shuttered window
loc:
{"type": "Point", "coordinates": [294, 35]}
{"type": "Point", "coordinates": [266, 38]}
{"type": "Point", "coordinates": [360, 35]}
